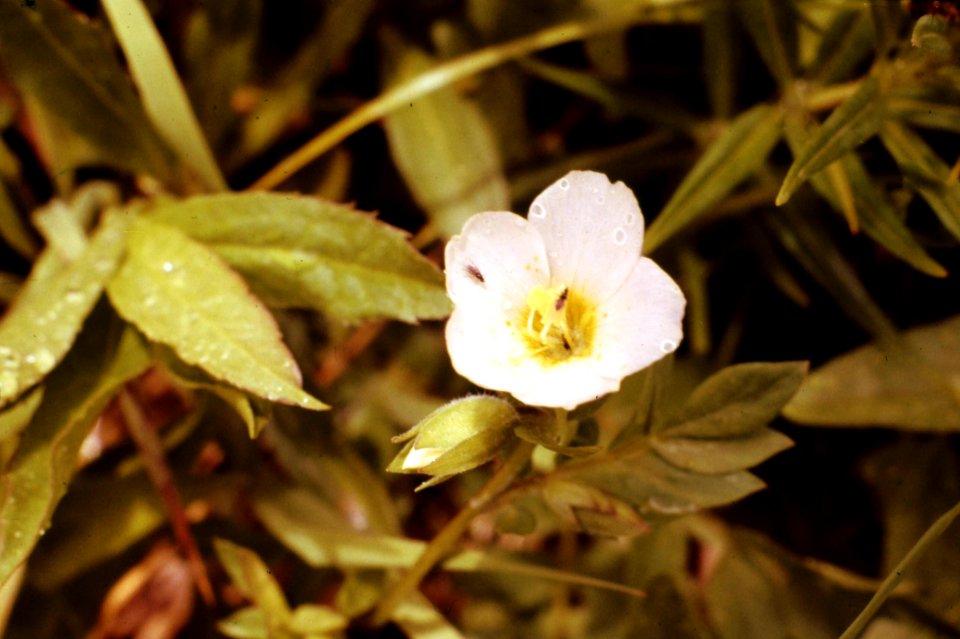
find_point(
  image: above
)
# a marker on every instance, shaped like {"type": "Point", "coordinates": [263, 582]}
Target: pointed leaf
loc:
{"type": "Point", "coordinates": [252, 577]}
{"type": "Point", "coordinates": [305, 252]}
{"type": "Point", "coordinates": [913, 385]}
{"type": "Point", "coordinates": [874, 212]}
{"type": "Point", "coordinates": [444, 148]}
{"type": "Point", "coordinates": [70, 67]}
{"type": "Point", "coordinates": [773, 25]}
{"type": "Point", "coordinates": [924, 171]}
{"type": "Point", "coordinates": [718, 456]}
{"type": "Point", "coordinates": [43, 323]}
{"type": "Point", "coordinates": [181, 294]}
{"type": "Point", "coordinates": [850, 124]}
{"type": "Point", "coordinates": [246, 623]}
{"type": "Point", "coordinates": [845, 43]}
{"type": "Point", "coordinates": [739, 151]}
{"type": "Point", "coordinates": [312, 620]}
{"type": "Point", "coordinates": [38, 475]}
{"type": "Point", "coordinates": [163, 95]}
{"type": "Point", "coordinates": [737, 401]}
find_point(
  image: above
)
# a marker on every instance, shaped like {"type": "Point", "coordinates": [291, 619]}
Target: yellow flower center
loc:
{"type": "Point", "coordinates": [557, 324]}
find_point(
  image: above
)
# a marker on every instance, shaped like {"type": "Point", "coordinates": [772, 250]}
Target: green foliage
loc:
{"type": "Point", "coordinates": [306, 253]}
{"type": "Point", "coordinates": [909, 384]}
{"type": "Point", "coordinates": [179, 293]}
{"type": "Point", "coordinates": [794, 158]}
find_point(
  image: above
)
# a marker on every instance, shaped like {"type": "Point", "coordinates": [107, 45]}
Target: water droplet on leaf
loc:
{"type": "Point", "coordinates": [168, 267]}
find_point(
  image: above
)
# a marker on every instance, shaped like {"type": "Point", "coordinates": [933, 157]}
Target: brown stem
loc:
{"type": "Point", "coordinates": [151, 450]}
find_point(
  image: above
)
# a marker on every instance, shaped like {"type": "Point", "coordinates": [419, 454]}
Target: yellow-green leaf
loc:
{"type": "Point", "coordinates": [50, 310]}
{"type": "Point", "coordinates": [179, 293]}
{"type": "Point", "coordinates": [309, 253]}
{"type": "Point", "coordinates": [252, 577]}
{"type": "Point", "coordinates": [163, 95]}
{"type": "Point", "coordinates": [873, 211]}
{"type": "Point", "coordinates": [739, 151]}
{"type": "Point", "coordinates": [38, 475]}
{"type": "Point", "coordinates": [850, 124]}
{"type": "Point", "coordinates": [444, 148]}
{"type": "Point", "coordinates": [913, 384]}
{"type": "Point", "coordinates": [924, 171]}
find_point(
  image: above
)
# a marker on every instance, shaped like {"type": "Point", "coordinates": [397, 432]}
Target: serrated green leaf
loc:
{"type": "Point", "coordinates": [252, 577]}
{"type": "Point", "coordinates": [304, 252]}
{"type": "Point", "coordinates": [254, 417]}
{"type": "Point", "coordinates": [913, 384]}
{"type": "Point", "coordinates": [43, 323]}
{"type": "Point", "coordinates": [181, 294]}
{"type": "Point", "coordinates": [37, 476]}
{"type": "Point", "coordinates": [739, 151]}
{"type": "Point", "coordinates": [70, 67]}
{"type": "Point", "coordinates": [924, 171]}
{"type": "Point", "coordinates": [443, 147]}
{"type": "Point", "coordinates": [850, 124]}
{"type": "Point", "coordinates": [737, 401]}
{"type": "Point", "coordinates": [162, 93]}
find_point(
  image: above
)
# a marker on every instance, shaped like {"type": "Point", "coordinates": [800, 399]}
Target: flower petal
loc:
{"type": "Point", "coordinates": [490, 353]}
{"type": "Point", "coordinates": [483, 345]}
{"type": "Point", "coordinates": [641, 322]}
{"type": "Point", "coordinates": [496, 260]}
{"type": "Point", "coordinates": [564, 385]}
{"type": "Point", "coordinates": [592, 230]}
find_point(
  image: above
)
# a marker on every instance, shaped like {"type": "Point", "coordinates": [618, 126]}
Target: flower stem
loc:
{"type": "Point", "coordinates": [896, 575]}
{"type": "Point", "coordinates": [443, 543]}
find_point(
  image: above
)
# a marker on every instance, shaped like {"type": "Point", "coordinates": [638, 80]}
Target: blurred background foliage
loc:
{"type": "Point", "coordinates": [798, 164]}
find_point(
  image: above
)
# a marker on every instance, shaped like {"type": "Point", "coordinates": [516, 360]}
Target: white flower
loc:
{"type": "Point", "coordinates": [558, 308]}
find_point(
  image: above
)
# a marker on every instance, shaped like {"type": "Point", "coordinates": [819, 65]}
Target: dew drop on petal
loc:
{"type": "Point", "coordinates": [600, 199]}
{"type": "Point", "coordinates": [538, 211]}
{"type": "Point", "coordinates": [668, 346]}
{"type": "Point", "coordinates": [619, 236]}
{"type": "Point", "coordinates": [564, 184]}
{"type": "Point", "coordinates": [630, 219]}
{"type": "Point", "coordinates": [168, 267]}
